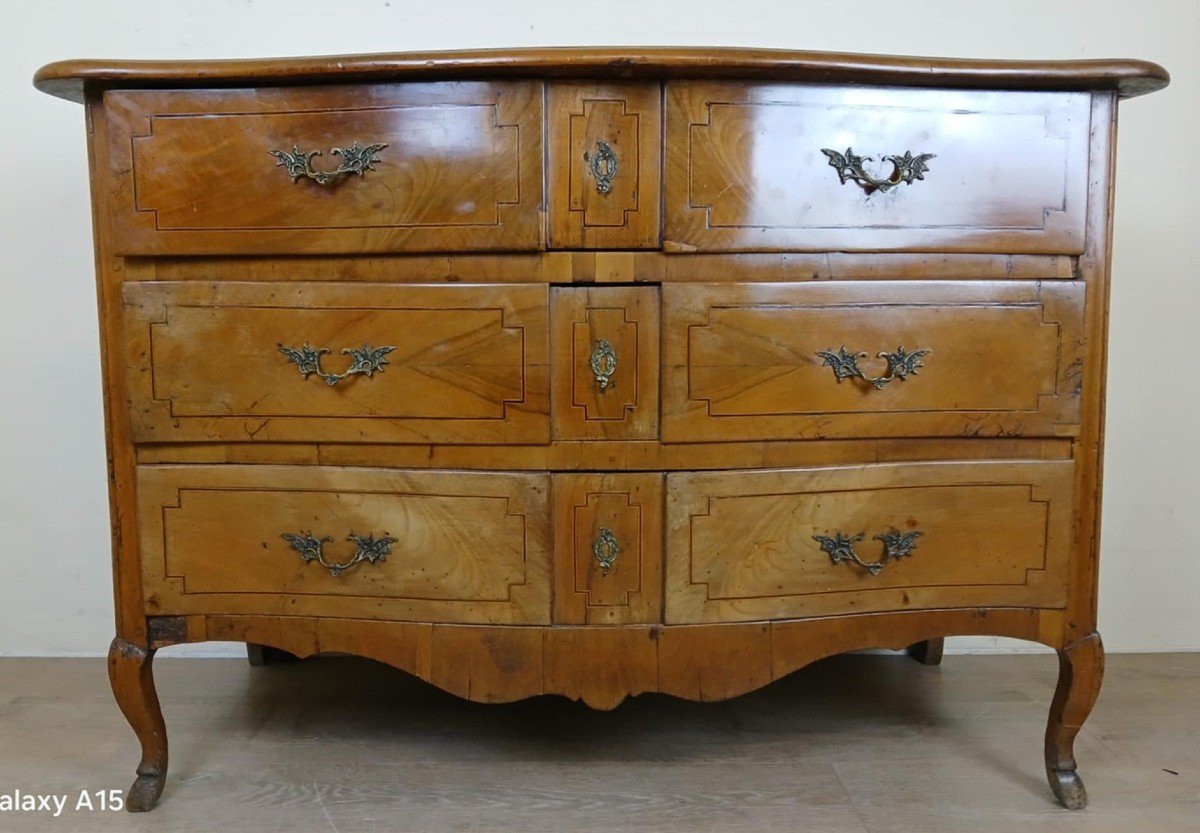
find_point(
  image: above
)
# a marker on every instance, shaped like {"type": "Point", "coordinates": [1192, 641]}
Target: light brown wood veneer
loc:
{"type": "Point", "coordinates": [745, 169]}
{"type": "Point", "coordinates": [468, 547]}
{"type": "Point", "coordinates": [743, 546]}
{"type": "Point", "coordinates": [626, 122]}
{"type": "Point", "coordinates": [467, 364]}
{"type": "Point", "coordinates": [672, 527]}
{"type": "Point", "coordinates": [193, 172]}
{"type": "Point", "coordinates": [750, 361]}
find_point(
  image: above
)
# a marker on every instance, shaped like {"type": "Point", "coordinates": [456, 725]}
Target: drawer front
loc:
{"type": "Point", "coordinates": [608, 549]}
{"type": "Point", "coordinates": [605, 160]}
{"type": "Point", "coordinates": [746, 169]}
{"type": "Point", "coordinates": [818, 542]}
{"type": "Point", "coordinates": [442, 167]}
{"type": "Point", "coordinates": [260, 362]}
{"type": "Point", "coordinates": [605, 363]}
{"type": "Point", "coordinates": [802, 361]}
{"type": "Point", "coordinates": [430, 546]}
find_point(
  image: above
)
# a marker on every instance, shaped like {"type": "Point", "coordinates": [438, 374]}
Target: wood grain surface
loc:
{"type": "Point", "coordinates": [726, 264]}
{"type": "Point", "coordinates": [461, 170]}
{"type": "Point", "coordinates": [628, 120]}
{"type": "Point", "coordinates": [630, 508]}
{"type": "Point", "coordinates": [131, 674]}
{"type": "Point", "coordinates": [470, 364]}
{"type": "Point", "coordinates": [745, 362]}
{"type": "Point", "coordinates": [603, 665]}
{"type": "Point", "coordinates": [744, 169]}
{"type": "Point", "coordinates": [607, 267]}
{"type": "Point", "coordinates": [627, 319]}
{"type": "Point", "coordinates": [466, 547]}
{"type": "Point", "coordinates": [68, 79]}
{"type": "Point", "coordinates": [743, 545]}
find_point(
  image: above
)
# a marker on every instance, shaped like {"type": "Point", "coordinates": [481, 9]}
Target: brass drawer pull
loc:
{"type": "Point", "coordinates": [356, 159]}
{"type": "Point", "coordinates": [896, 544]}
{"type": "Point", "coordinates": [906, 169]}
{"type": "Point", "coordinates": [605, 549]}
{"type": "Point", "coordinates": [603, 362]}
{"type": "Point", "coordinates": [367, 360]}
{"type": "Point", "coordinates": [603, 165]}
{"type": "Point", "coordinates": [900, 365]}
{"type": "Point", "coordinates": [367, 548]}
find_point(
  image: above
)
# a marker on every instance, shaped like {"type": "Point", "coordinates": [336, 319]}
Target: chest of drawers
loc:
{"type": "Point", "coordinates": [601, 372]}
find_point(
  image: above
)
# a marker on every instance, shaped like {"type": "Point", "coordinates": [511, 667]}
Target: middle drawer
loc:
{"type": "Point", "coordinates": [463, 364]}
{"type": "Point", "coordinates": [305, 362]}
{"type": "Point", "coordinates": [820, 360]}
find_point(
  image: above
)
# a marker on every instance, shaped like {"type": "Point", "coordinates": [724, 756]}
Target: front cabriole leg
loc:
{"type": "Point", "coordinates": [129, 670]}
{"type": "Point", "coordinates": [1080, 669]}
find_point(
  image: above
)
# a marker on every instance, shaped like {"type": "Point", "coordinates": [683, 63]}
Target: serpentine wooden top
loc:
{"type": "Point", "coordinates": [69, 79]}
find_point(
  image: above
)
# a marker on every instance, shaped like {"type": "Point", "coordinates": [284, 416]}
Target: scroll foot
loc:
{"type": "Point", "coordinates": [1068, 788]}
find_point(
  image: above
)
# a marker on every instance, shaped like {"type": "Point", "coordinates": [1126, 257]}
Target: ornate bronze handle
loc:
{"type": "Point", "coordinates": [356, 159]}
{"type": "Point", "coordinates": [605, 549]}
{"type": "Point", "coordinates": [900, 365]}
{"type": "Point", "coordinates": [603, 165]}
{"type": "Point", "coordinates": [367, 548]}
{"type": "Point", "coordinates": [367, 360]}
{"type": "Point", "coordinates": [906, 168]}
{"type": "Point", "coordinates": [603, 362]}
{"type": "Point", "coordinates": [896, 544]}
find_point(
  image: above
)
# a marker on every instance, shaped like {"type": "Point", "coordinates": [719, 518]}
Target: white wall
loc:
{"type": "Point", "coordinates": [55, 590]}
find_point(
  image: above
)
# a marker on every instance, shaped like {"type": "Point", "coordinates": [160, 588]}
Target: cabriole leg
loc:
{"type": "Point", "coordinates": [129, 670]}
{"type": "Point", "coordinates": [1080, 669]}
{"type": "Point", "coordinates": [928, 652]}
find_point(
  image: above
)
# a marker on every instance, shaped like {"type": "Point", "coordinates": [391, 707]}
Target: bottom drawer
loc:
{"type": "Point", "coordinates": [425, 546]}
{"type": "Point", "coordinates": [812, 542]}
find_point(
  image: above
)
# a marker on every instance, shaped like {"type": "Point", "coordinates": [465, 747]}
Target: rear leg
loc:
{"type": "Point", "coordinates": [260, 655]}
{"type": "Point", "coordinates": [928, 652]}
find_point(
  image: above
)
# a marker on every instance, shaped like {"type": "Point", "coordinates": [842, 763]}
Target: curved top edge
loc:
{"type": "Point", "coordinates": [1128, 78]}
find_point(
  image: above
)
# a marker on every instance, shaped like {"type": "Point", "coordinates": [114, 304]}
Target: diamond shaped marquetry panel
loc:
{"type": "Point", "coordinates": [207, 362]}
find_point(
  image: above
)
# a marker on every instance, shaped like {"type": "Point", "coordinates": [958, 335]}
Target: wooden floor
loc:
{"type": "Point", "coordinates": [856, 743]}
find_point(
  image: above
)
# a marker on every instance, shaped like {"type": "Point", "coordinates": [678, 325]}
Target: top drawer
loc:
{"type": "Point", "coordinates": [747, 169]}
{"type": "Point", "coordinates": [439, 167]}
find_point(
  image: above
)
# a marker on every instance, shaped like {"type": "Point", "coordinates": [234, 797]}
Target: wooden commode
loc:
{"type": "Point", "coordinates": [596, 372]}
